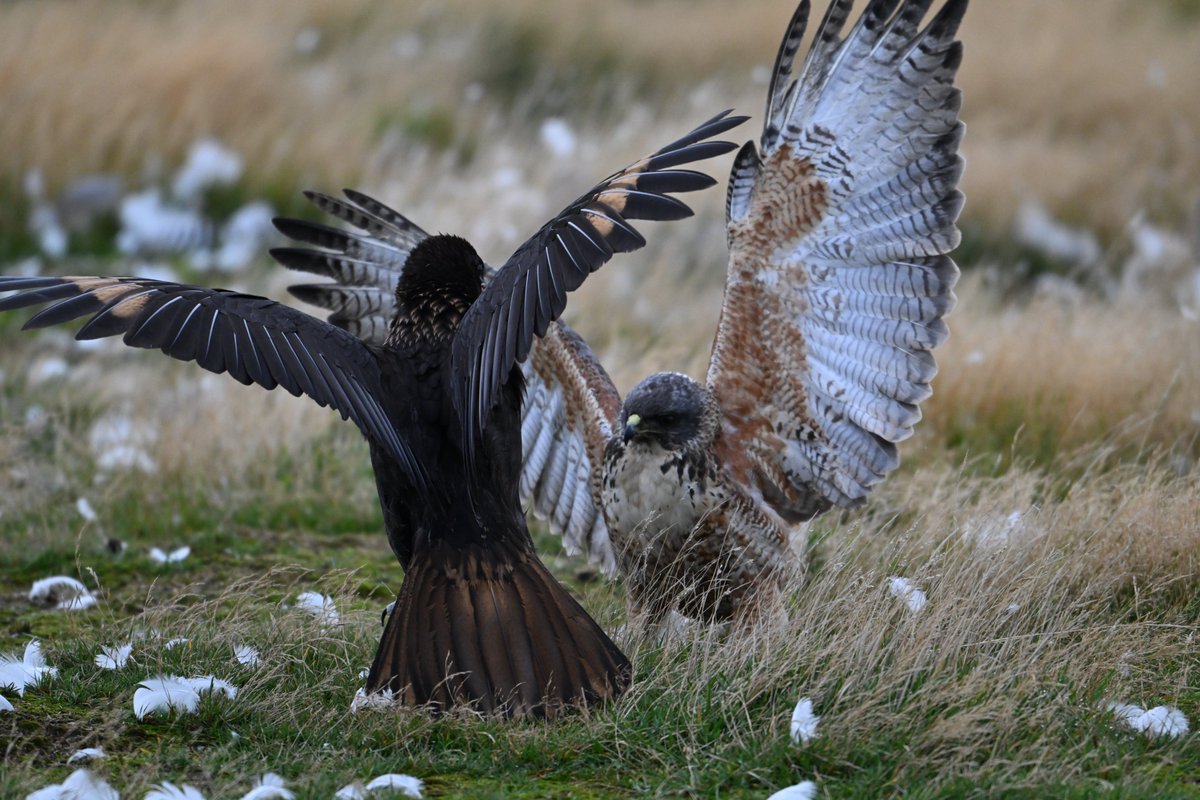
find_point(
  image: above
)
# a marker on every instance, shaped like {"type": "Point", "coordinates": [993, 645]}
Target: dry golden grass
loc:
{"type": "Point", "coordinates": [1086, 104]}
{"type": "Point", "coordinates": [1125, 372]}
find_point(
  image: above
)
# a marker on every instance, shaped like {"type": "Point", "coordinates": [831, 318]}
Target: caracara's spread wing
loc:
{"type": "Point", "coordinates": [530, 290]}
{"type": "Point", "coordinates": [570, 405]}
{"type": "Point", "coordinates": [254, 339]}
{"type": "Point", "coordinates": [364, 265]}
{"type": "Point", "coordinates": [838, 278]}
{"type": "Point", "coordinates": [571, 409]}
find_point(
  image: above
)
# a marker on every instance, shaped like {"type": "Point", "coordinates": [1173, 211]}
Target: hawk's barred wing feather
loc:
{"type": "Point", "coordinates": [529, 291]}
{"type": "Point", "coordinates": [571, 410]}
{"type": "Point", "coordinates": [254, 339]}
{"type": "Point", "coordinates": [838, 275]}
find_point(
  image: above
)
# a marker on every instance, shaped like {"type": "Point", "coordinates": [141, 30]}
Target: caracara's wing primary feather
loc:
{"type": "Point", "coordinates": [530, 290]}
{"type": "Point", "coordinates": [571, 409]}
{"type": "Point", "coordinates": [254, 339]}
{"type": "Point", "coordinates": [838, 275]}
{"type": "Point", "coordinates": [364, 264]}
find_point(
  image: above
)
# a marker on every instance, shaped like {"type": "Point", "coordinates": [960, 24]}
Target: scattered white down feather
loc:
{"type": "Point", "coordinates": [1157, 721]}
{"type": "Point", "coordinates": [4, 704]}
{"type": "Point", "coordinates": [209, 163]}
{"type": "Point", "coordinates": [365, 702]}
{"type": "Point", "coordinates": [159, 556]}
{"type": "Point", "coordinates": [87, 754]}
{"type": "Point", "coordinates": [1038, 230]}
{"type": "Point", "coordinates": [996, 531]}
{"type": "Point", "coordinates": [906, 590]}
{"type": "Point", "coordinates": [171, 644]}
{"type": "Point", "coordinates": [44, 222]}
{"type": "Point", "coordinates": [118, 443]}
{"type": "Point", "coordinates": [63, 592]}
{"type": "Point", "coordinates": [558, 137]}
{"type": "Point", "coordinates": [84, 507]}
{"type": "Point", "coordinates": [1158, 256]}
{"type": "Point", "coordinates": [81, 784]}
{"type": "Point", "coordinates": [307, 41]}
{"type": "Point", "coordinates": [804, 721]}
{"type": "Point", "coordinates": [244, 237]}
{"type": "Point", "coordinates": [168, 692]}
{"type": "Point", "coordinates": [114, 657]}
{"type": "Point", "coordinates": [389, 785]}
{"type": "Point", "coordinates": [25, 671]}
{"type": "Point", "coordinates": [169, 791]}
{"type": "Point", "coordinates": [246, 655]}
{"type": "Point", "coordinates": [801, 791]}
{"type": "Point", "coordinates": [269, 787]}
{"type": "Point", "coordinates": [47, 369]}
{"type": "Point", "coordinates": [319, 605]}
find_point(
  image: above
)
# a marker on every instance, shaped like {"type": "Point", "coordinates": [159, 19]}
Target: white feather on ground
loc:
{"type": "Point", "coordinates": [81, 784]}
{"type": "Point", "coordinates": [169, 791]}
{"type": "Point", "coordinates": [906, 590]}
{"type": "Point", "coordinates": [800, 791]}
{"type": "Point", "coordinates": [87, 754]}
{"type": "Point", "coordinates": [389, 785]}
{"type": "Point", "coordinates": [1157, 721]}
{"type": "Point", "coordinates": [246, 655]}
{"type": "Point", "coordinates": [63, 592]}
{"type": "Point", "coordinates": [159, 556]}
{"type": "Point", "coordinates": [804, 721]}
{"type": "Point", "coordinates": [168, 692]}
{"type": "Point", "coordinates": [269, 787]}
{"type": "Point", "coordinates": [113, 657]}
{"type": "Point", "coordinates": [84, 507]}
{"type": "Point", "coordinates": [26, 671]}
{"type": "Point", "coordinates": [319, 605]}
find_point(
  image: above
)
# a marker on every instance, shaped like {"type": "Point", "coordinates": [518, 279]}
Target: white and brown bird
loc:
{"type": "Point", "coordinates": [839, 223]}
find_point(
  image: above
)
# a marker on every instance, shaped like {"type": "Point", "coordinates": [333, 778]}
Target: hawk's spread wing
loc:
{"type": "Point", "coordinates": [530, 290]}
{"type": "Point", "coordinates": [254, 339]}
{"type": "Point", "coordinates": [571, 410]}
{"type": "Point", "coordinates": [838, 278]}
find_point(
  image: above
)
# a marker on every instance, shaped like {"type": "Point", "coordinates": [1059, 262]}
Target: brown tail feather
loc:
{"type": "Point", "coordinates": [493, 629]}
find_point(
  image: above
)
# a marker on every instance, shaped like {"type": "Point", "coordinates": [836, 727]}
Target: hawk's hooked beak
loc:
{"type": "Point", "coordinates": [631, 427]}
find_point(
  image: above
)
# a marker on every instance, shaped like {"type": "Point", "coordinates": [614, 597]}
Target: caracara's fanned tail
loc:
{"type": "Point", "coordinates": [490, 628]}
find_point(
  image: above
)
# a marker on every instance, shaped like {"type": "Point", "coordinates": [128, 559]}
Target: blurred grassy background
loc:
{"type": "Point", "coordinates": [1089, 105]}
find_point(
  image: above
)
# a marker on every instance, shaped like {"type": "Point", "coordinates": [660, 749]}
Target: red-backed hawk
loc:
{"type": "Point", "coordinates": [838, 225]}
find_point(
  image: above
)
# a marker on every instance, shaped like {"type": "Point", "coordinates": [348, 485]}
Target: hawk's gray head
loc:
{"type": "Point", "coordinates": [669, 409]}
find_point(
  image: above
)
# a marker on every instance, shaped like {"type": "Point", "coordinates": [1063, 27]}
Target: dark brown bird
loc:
{"type": "Point", "coordinates": [479, 620]}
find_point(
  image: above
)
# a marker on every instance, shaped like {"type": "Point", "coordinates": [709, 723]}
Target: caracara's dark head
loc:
{"type": "Point", "coordinates": [441, 279]}
{"type": "Point", "coordinates": [668, 409]}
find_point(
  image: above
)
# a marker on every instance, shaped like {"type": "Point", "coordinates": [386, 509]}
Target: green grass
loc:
{"type": "Point", "coordinates": [708, 716]}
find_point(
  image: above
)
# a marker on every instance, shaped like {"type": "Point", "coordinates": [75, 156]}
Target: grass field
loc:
{"type": "Point", "coordinates": [1048, 506]}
